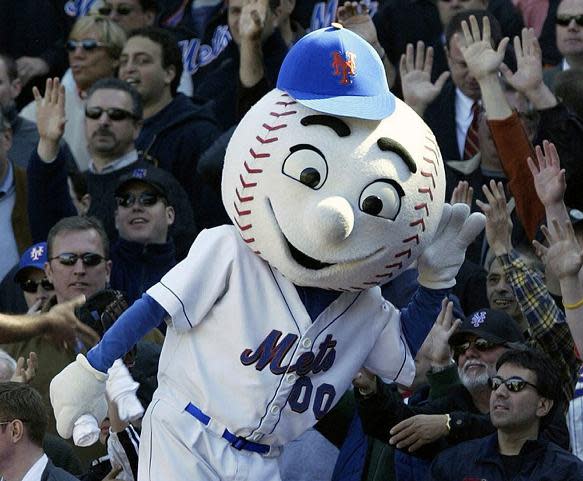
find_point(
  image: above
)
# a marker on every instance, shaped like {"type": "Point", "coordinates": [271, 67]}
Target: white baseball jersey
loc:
{"type": "Point", "coordinates": [242, 347]}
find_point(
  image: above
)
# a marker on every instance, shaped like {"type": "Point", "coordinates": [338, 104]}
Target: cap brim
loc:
{"type": "Point", "coordinates": [458, 335]}
{"type": "Point", "coordinates": [22, 271]}
{"type": "Point", "coordinates": [371, 108]}
{"type": "Point", "coordinates": [150, 183]}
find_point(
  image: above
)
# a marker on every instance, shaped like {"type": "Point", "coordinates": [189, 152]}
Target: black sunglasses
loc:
{"type": "Point", "coordinates": [121, 10]}
{"type": "Point", "coordinates": [480, 344]}
{"type": "Point", "coordinates": [89, 259]}
{"type": "Point", "coordinates": [145, 199]}
{"type": "Point", "coordinates": [32, 286]}
{"type": "Point", "coordinates": [88, 44]}
{"type": "Point", "coordinates": [565, 20]}
{"type": "Point", "coordinates": [113, 113]}
{"type": "Point", "coordinates": [513, 384]}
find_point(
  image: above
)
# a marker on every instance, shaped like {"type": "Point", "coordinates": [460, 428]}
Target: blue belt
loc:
{"type": "Point", "coordinates": [236, 441]}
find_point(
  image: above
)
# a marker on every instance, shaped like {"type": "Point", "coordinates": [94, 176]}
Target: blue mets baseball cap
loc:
{"type": "Point", "coordinates": [335, 71]}
{"type": "Point", "coordinates": [33, 258]}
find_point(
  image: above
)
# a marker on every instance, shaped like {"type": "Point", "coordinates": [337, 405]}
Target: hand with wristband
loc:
{"type": "Point", "coordinates": [564, 257]}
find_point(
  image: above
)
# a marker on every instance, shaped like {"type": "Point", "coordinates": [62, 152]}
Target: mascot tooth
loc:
{"type": "Point", "coordinates": [334, 187]}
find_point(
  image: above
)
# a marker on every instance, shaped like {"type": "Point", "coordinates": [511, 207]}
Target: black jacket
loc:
{"type": "Point", "coordinates": [174, 139]}
{"type": "Point", "coordinates": [52, 473]}
{"type": "Point", "coordinates": [479, 459]}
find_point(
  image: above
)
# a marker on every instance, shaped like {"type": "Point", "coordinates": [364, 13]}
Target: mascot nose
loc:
{"type": "Point", "coordinates": [335, 219]}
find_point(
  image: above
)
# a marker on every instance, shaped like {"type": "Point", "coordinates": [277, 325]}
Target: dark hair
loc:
{"type": "Point", "coordinates": [11, 68]}
{"type": "Point", "coordinates": [20, 401]}
{"type": "Point", "coordinates": [117, 84]}
{"type": "Point", "coordinates": [74, 224]}
{"type": "Point", "coordinates": [569, 88]}
{"type": "Point", "coordinates": [547, 381]}
{"type": "Point", "coordinates": [171, 54]}
{"type": "Point", "coordinates": [455, 25]}
{"type": "Point", "coordinates": [149, 5]}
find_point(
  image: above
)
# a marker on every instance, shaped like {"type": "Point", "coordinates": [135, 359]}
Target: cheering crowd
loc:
{"type": "Point", "coordinates": [115, 117]}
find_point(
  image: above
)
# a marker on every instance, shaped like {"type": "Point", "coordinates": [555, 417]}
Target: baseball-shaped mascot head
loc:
{"type": "Point", "coordinates": [330, 178]}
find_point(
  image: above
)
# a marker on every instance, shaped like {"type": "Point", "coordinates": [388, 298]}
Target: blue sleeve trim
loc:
{"type": "Point", "coordinates": [418, 317]}
{"type": "Point", "coordinates": [144, 315]}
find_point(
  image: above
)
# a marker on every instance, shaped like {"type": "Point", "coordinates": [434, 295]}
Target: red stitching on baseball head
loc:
{"type": "Point", "coordinates": [429, 174]}
{"type": "Point", "coordinates": [426, 190]}
{"type": "Point", "coordinates": [266, 141]}
{"type": "Point", "coordinates": [423, 206]}
{"type": "Point", "coordinates": [247, 185]}
{"type": "Point", "coordinates": [250, 170]}
{"type": "Point", "coordinates": [417, 222]}
{"type": "Point", "coordinates": [271, 128]}
{"type": "Point", "coordinates": [248, 198]}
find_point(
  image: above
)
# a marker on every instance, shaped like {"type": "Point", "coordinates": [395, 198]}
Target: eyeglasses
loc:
{"type": "Point", "coordinates": [480, 344]}
{"type": "Point", "coordinates": [32, 286]}
{"type": "Point", "coordinates": [565, 20]}
{"type": "Point", "coordinates": [87, 44]}
{"type": "Point", "coordinates": [115, 114]}
{"type": "Point", "coordinates": [145, 199]}
{"type": "Point", "coordinates": [513, 384]}
{"type": "Point", "coordinates": [89, 259]}
{"type": "Point", "coordinates": [120, 10]}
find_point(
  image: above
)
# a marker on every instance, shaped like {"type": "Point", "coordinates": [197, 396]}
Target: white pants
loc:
{"type": "Point", "coordinates": [175, 446]}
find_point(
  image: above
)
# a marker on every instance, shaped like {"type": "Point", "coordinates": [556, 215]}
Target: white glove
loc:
{"type": "Point", "coordinates": [85, 431]}
{"type": "Point", "coordinates": [78, 389]}
{"type": "Point", "coordinates": [441, 260]}
{"type": "Point", "coordinates": [121, 389]}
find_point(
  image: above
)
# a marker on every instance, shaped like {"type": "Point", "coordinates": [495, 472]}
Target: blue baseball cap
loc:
{"type": "Point", "coordinates": [34, 257]}
{"type": "Point", "coordinates": [335, 71]}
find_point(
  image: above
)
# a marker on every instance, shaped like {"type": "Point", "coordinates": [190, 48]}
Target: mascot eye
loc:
{"type": "Point", "coordinates": [382, 198]}
{"type": "Point", "coordinates": [307, 165]}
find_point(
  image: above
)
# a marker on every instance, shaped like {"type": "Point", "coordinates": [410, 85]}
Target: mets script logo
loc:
{"type": "Point", "coordinates": [344, 67]}
{"type": "Point", "coordinates": [478, 319]}
{"type": "Point", "coordinates": [36, 253]}
{"type": "Point", "coordinates": [274, 349]}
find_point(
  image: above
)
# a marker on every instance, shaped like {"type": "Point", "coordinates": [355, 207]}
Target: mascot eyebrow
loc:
{"type": "Point", "coordinates": [337, 125]}
{"type": "Point", "coordinates": [390, 145]}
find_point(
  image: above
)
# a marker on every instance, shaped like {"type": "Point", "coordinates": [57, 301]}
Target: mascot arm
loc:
{"type": "Point", "coordinates": [441, 260]}
{"type": "Point", "coordinates": [143, 316]}
{"type": "Point", "coordinates": [80, 388]}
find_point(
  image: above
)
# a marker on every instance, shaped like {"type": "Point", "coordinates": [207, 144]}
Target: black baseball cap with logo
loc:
{"type": "Point", "coordinates": [490, 324]}
{"type": "Point", "coordinates": [163, 182]}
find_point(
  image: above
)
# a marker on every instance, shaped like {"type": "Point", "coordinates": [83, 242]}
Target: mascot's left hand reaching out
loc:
{"type": "Point", "coordinates": [334, 187]}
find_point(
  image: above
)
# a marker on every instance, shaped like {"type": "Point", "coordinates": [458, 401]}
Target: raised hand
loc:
{"type": "Point", "coordinates": [482, 60]}
{"type": "Point", "coordinates": [529, 72]}
{"type": "Point", "coordinates": [25, 369]}
{"type": "Point", "coordinates": [498, 223]}
{"type": "Point", "coordinates": [253, 19]}
{"type": "Point", "coordinates": [549, 178]}
{"type": "Point", "coordinates": [50, 110]}
{"type": "Point", "coordinates": [564, 255]}
{"type": "Point", "coordinates": [355, 17]}
{"type": "Point", "coordinates": [462, 194]}
{"type": "Point", "coordinates": [415, 68]}
{"type": "Point", "coordinates": [436, 345]}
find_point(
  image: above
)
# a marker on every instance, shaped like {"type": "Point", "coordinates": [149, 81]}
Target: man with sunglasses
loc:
{"type": "Point", "coordinates": [524, 393]}
{"type": "Point", "coordinates": [31, 278]}
{"type": "Point", "coordinates": [454, 412]}
{"type": "Point", "coordinates": [130, 14]}
{"type": "Point", "coordinates": [569, 39]}
{"type": "Point", "coordinates": [144, 251]}
{"type": "Point", "coordinates": [112, 123]}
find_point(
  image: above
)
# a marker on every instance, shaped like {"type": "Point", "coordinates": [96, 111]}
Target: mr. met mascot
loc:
{"type": "Point", "coordinates": [334, 187]}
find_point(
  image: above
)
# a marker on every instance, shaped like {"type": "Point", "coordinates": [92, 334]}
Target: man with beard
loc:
{"type": "Point", "coordinates": [454, 412]}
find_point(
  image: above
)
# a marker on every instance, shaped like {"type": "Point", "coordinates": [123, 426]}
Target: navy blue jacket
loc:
{"type": "Point", "coordinates": [174, 139]}
{"type": "Point", "coordinates": [137, 267]}
{"type": "Point", "coordinates": [480, 460]}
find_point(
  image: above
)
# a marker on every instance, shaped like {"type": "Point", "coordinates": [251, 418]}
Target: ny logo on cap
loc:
{"type": "Point", "coordinates": [478, 318]}
{"type": "Point", "coordinates": [139, 173]}
{"type": "Point", "coordinates": [36, 253]}
{"type": "Point", "coordinates": [344, 66]}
